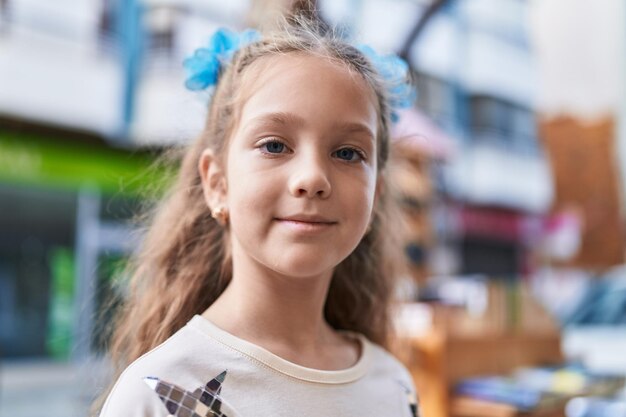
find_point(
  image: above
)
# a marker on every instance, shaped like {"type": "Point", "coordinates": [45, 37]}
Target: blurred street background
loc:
{"type": "Point", "coordinates": [510, 170]}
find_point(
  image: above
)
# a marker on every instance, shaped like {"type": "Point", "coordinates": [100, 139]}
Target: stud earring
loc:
{"type": "Point", "coordinates": [220, 214]}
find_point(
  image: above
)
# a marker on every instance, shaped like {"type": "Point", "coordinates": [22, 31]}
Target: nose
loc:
{"type": "Point", "coordinates": [310, 178]}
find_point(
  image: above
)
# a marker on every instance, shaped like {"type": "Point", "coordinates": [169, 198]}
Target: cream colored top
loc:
{"type": "Point", "coordinates": [203, 371]}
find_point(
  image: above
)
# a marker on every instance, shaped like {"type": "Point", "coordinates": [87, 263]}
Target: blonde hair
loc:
{"type": "Point", "coordinates": [172, 278]}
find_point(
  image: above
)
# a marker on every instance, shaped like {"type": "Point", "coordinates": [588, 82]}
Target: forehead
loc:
{"type": "Point", "coordinates": [316, 89]}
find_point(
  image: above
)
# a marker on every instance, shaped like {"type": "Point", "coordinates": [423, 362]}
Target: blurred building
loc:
{"type": "Point", "coordinates": [499, 184]}
{"type": "Point", "coordinates": [69, 175]}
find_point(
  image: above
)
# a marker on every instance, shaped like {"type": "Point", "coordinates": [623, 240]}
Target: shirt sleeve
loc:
{"type": "Point", "coordinates": [132, 397]}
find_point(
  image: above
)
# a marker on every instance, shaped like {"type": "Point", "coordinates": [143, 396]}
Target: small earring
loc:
{"type": "Point", "coordinates": [221, 215]}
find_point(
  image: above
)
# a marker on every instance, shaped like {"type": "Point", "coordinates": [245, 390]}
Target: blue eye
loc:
{"type": "Point", "coordinates": [349, 154]}
{"type": "Point", "coordinates": [274, 147]}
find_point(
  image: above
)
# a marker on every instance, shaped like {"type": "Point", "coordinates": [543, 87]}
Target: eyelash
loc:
{"type": "Point", "coordinates": [263, 144]}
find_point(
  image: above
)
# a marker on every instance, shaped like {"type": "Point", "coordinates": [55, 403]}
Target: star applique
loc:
{"type": "Point", "coordinates": [203, 402]}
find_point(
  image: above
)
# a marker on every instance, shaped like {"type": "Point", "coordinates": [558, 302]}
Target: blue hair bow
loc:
{"type": "Point", "coordinates": [394, 70]}
{"type": "Point", "coordinates": [204, 65]}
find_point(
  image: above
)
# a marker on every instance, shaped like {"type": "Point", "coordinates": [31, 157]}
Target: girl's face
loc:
{"type": "Point", "coordinates": [301, 174]}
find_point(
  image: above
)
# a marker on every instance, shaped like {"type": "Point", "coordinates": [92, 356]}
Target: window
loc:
{"type": "Point", "coordinates": [160, 23]}
{"type": "Point", "coordinates": [106, 27]}
{"type": "Point", "coordinates": [436, 98]}
{"type": "Point", "coordinates": [4, 16]}
{"type": "Point", "coordinates": [502, 123]}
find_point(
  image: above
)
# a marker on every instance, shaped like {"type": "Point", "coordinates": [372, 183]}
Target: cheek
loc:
{"type": "Point", "coordinates": [251, 194]}
{"type": "Point", "coordinates": [358, 198]}
{"type": "Point", "coordinates": [245, 196]}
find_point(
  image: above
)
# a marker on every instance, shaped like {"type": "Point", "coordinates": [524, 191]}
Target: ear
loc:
{"type": "Point", "coordinates": [213, 180]}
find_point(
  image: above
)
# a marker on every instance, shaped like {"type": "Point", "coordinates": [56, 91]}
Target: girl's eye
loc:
{"type": "Point", "coordinates": [273, 146]}
{"type": "Point", "coordinates": [349, 154]}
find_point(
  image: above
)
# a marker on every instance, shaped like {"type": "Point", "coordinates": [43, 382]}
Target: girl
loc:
{"type": "Point", "coordinates": [263, 284]}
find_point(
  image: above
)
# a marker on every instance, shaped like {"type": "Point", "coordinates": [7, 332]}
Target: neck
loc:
{"type": "Point", "coordinates": [274, 310]}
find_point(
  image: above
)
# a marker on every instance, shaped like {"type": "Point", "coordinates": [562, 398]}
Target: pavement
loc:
{"type": "Point", "coordinates": [38, 388]}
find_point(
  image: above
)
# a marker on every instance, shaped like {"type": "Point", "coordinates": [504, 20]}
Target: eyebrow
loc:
{"type": "Point", "coordinates": [287, 119]}
{"type": "Point", "coordinates": [349, 127]}
{"type": "Point", "coordinates": [281, 118]}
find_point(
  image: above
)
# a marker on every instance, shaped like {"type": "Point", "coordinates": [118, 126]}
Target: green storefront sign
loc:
{"type": "Point", "coordinates": [27, 159]}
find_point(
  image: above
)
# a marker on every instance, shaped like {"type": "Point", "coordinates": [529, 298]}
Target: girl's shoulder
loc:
{"type": "Point", "coordinates": [390, 365]}
{"type": "Point", "coordinates": [178, 366]}
{"type": "Point", "coordinates": [382, 361]}
{"type": "Point", "coordinates": [389, 377]}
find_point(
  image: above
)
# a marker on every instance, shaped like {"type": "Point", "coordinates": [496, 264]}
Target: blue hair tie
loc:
{"type": "Point", "coordinates": [203, 67]}
{"type": "Point", "coordinates": [394, 70]}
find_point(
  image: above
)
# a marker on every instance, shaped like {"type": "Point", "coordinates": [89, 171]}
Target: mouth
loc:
{"type": "Point", "coordinates": [307, 219]}
{"type": "Point", "coordinates": [307, 223]}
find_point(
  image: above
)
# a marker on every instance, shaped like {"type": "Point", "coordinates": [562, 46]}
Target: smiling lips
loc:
{"type": "Point", "coordinates": [304, 223]}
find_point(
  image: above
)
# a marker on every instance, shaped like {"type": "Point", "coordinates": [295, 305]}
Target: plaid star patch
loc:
{"type": "Point", "coordinates": [203, 402]}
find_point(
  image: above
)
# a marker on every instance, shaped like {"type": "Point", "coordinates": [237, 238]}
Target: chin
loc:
{"type": "Point", "coordinates": [299, 266]}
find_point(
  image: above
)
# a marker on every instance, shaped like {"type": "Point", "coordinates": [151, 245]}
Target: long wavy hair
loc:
{"type": "Point", "coordinates": [184, 262]}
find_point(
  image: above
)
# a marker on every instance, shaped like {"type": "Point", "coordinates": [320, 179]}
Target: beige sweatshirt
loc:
{"type": "Point", "coordinates": [204, 371]}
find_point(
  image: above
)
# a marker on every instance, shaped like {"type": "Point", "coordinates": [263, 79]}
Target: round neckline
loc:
{"type": "Point", "coordinates": [284, 366]}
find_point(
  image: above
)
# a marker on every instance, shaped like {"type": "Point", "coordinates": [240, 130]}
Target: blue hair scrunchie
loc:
{"type": "Point", "coordinates": [394, 70]}
{"type": "Point", "coordinates": [203, 67]}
